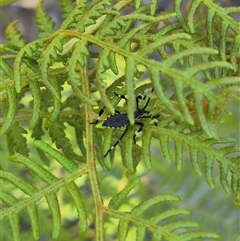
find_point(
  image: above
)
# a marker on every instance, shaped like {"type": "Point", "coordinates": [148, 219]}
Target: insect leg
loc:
{"type": "Point", "coordinates": [99, 115]}
{"type": "Point", "coordinates": [147, 102]}
{"type": "Point", "coordinates": [139, 97]}
{"type": "Point", "coordinates": [153, 117]}
{"type": "Point", "coordinates": [114, 145]}
{"type": "Point", "coordinates": [139, 130]}
{"type": "Point", "coordinates": [120, 96]}
{"type": "Point", "coordinates": [102, 110]}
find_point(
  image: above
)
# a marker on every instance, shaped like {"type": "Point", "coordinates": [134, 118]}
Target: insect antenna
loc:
{"type": "Point", "coordinates": [147, 102]}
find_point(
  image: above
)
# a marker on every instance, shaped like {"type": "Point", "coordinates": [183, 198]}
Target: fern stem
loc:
{"type": "Point", "coordinates": [128, 217]}
{"type": "Point", "coordinates": [91, 162]}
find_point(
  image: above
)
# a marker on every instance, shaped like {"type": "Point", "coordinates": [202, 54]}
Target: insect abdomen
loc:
{"type": "Point", "coordinates": [116, 120]}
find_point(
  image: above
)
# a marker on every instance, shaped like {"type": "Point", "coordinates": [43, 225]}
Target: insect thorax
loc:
{"type": "Point", "coordinates": [139, 113]}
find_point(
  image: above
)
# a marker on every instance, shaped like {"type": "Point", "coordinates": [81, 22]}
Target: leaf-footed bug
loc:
{"type": "Point", "coordinates": [120, 120]}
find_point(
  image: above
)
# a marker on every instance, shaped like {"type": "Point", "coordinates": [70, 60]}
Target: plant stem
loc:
{"type": "Point", "coordinates": [91, 161]}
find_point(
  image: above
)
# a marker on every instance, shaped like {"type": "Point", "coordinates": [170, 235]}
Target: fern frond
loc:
{"type": "Point", "coordinates": [58, 136]}
{"type": "Point", "coordinates": [12, 98]}
{"type": "Point", "coordinates": [47, 58]}
{"type": "Point", "coordinates": [17, 142]}
{"type": "Point", "coordinates": [14, 37]}
{"type": "Point", "coordinates": [44, 22]}
{"type": "Point", "coordinates": [37, 134]}
{"type": "Point", "coordinates": [14, 219]}
{"type": "Point", "coordinates": [30, 50]}
{"type": "Point", "coordinates": [208, 148]}
{"type": "Point", "coordinates": [138, 210]}
{"type": "Point", "coordinates": [5, 68]}
{"type": "Point", "coordinates": [117, 199]}
{"type": "Point", "coordinates": [216, 35]}
{"type": "Point", "coordinates": [234, 55]}
{"type": "Point", "coordinates": [152, 225]}
{"type": "Point", "coordinates": [128, 160]}
{"type": "Point", "coordinates": [35, 89]}
{"type": "Point", "coordinates": [130, 72]}
{"type": "Point", "coordinates": [67, 164]}
{"type": "Point", "coordinates": [90, 17]}
{"type": "Point", "coordinates": [190, 62]}
{"type": "Point", "coordinates": [210, 6]}
{"type": "Point", "coordinates": [66, 7]}
{"type": "Point", "coordinates": [49, 192]}
{"type": "Point", "coordinates": [75, 16]}
{"type": "Point", "coordinates": [153, 5]}
{"type": "Point", "coordinates": [74, 67]}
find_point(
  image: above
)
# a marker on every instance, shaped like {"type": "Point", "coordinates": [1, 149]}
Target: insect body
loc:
{"type": "Point", "coordinates": [120, 120]}
{"type": "Point", "coordinates": [117, 120]}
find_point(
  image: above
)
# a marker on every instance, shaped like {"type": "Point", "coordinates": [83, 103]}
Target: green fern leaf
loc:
{"type": "Point", "coordinates": [75, 16]}
{"type": "Point", "coordinates": [66, 7]}
{"type": "Point", "coordinates": [14, 222]}
{"type": "Point", "coordinates": [138, 210]}
{"type": "Point", "coordinates": [31, 50]}
{"type": "Point", "coordinates": [40, 171]}
{"type": "Point", "coordinates": [104, 29]}
{"type": "Point", "coordinates": [223, 177]}
{"type": "Point", "coordinates": [33, 216]}
{"type": "Point", "coordinates": [16, 140]}
{"type": "Point", "coordinates": [55, 211]}
{"type": "Point", "coordinates": [47, 177]}
{"type": "Point", "coordinates": [13, 218]}
{"type": "Point", "coordinates": [192, 10]}
{"type": "Point", "coordinates": [75, 73]}
{"type": "Point", "coordinates": [207, 147]}
{"type": "Point", "coordinates": [58, 136]}
{"type": "Point", "coordinates": [130, 71]}
{"type": "Point", "coordinates": [208, 170]}
{"type": "Point", "coordinates": [24, 186]}
{"type": "Point", "coordinates": [5, 68]}
{"type": "Point", "coordinates": [153, 6]}
{"type": "Point", "coordinates": [146, 143]}
{"type": "Point", "coordinates": [11, 110]}
{"type": "Point", "coordinates": [122, 230]}
{"type": "Point", "coordinates": [78, 201]}
{"type": "Point", "coordinates": [168, 214]}
{"type": "Point", "coordinates": [234, 54]}
{"type": "Point", "coordinates": [90, 17]}
{"type": "Point", "coordinates": [210, 16]}
{"type": "Point", "coordinates": [164, 146]}
{"type": "Point", "coordinates": [191, 66]}
{"type": "Point", "coordinates": [14, 37]}
{"type": "Point", "coordinates": [35, 89]}
{"type": "Point", "coordinates": [194, 160]}
{"type": "Point", "coordinates": [66, 163]}
{"type": "Point", "coordinates": [47, 59]}
{"type": "Point", "coordinates": [198, 234]}
{"type": "Point", "coordinates": [118, 198]}
{"type": "Point", "coordinates": [181, 101]}
{"type": "Point", "coordinates": [178, 155]}
{"type": "Point", "coordinates": [79, 135]}
{"type": "Point", "coordinates": [44, 22]}
{"type": "Point", "coordinates": [128, 157]}
{"type": "Point", "coordinates": [177, 8]}
{"type": "Point", "coordinates": [37, 134]}
{"type": "Point", "coordinates": [159, 91]}
{"type": "Point", "coordinates": [140, 233]}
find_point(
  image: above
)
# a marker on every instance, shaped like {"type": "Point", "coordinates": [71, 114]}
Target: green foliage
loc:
{"type": "Point", "coordinates": [44, 22]}
{"type": "Point", "coordinates": [51, 87]}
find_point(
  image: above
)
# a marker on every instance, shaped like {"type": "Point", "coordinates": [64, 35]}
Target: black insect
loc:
{"type": "Point", "coordinates": [119, 120]}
